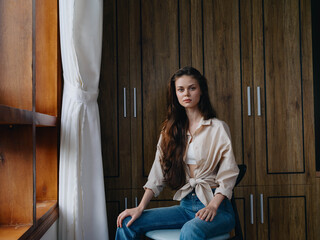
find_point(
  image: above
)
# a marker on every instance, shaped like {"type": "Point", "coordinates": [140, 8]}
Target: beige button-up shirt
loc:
{"type": "Point", "coordinates": [216, 165]}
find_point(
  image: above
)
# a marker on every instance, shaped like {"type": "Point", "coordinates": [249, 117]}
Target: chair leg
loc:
{"type": "Point", "coordinates": [238, 229]}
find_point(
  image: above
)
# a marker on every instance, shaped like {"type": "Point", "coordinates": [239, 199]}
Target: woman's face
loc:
{"type": "Point", "coordinates": [188, 91]}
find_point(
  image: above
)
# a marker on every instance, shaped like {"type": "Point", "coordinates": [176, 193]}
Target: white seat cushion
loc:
{"type": "Point", "coordinates": [174, 234]}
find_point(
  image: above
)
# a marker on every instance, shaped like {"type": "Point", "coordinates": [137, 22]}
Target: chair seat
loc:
{"type": "Point", "coordinates": [174, 234]}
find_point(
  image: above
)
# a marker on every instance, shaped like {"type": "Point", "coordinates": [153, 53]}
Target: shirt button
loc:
{"type": "Point", "coordinates": [193, 194]}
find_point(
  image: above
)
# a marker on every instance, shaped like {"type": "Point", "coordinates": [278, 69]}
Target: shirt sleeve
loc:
{"type": "Point", "coordinates": [156, 179]}
{"type": "Point", "coordinates": [228, 169]}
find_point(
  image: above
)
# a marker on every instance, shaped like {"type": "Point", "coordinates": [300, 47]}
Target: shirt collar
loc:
{"type": "Point", "coordinates": [202, 123]}
{"type": "Point", "coordinates": [206, 122]}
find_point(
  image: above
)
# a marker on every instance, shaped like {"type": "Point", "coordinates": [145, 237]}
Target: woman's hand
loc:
{"type": "Point", "coordinates": [210, 211]}
{"type": "Point", "coordinates": [135, 213]}
{"type": "Point", "coordinates": [207, 213]}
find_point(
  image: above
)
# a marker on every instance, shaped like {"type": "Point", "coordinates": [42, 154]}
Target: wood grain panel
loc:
{"type": "Point", "coordinates": [123, 75]}
{"type": "Point", "coordinates": [308, 89]}
{"type": "Point", "coordinates": [16, 54]}
{"type": "Point", "coordinates": [247, 81]}
{"type": "Point", "coordinates": [108, 100]}
{"type": "Point", "coordinates": [292, 223]}
{"type": "Point", "coordinates": [135, 18]}
{"type": "Point", "coordinates": [16, 181]}
{"type": "Point", "coordinates": [46, 158]}
{"type": "Point", "coordinates": [258, 77]}
{"type": "Point", "coordinates": [222, 64]}
{"type": "Point", "coordinates": [47, 61]}
{"type": "Point", "coordinates": [283, 86]}
{"type": "Point", "coordinates": [191, 34]}
{"type": "Point", "coordinates": [278, 58]}
{"type": "Point", "coordinates": [185, 33]}
{"type": "Point", "coordinates": [114, 77]}
{"type": "Point", "coordinates": [287, 212]}
{"type": "Point", "coordinates": [160, 59]}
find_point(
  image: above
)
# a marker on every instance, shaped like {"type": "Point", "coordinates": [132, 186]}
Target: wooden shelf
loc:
{"type": "Point", "coordinates": [44, 120]}
{"type": "Point", "coordinates": [47, 213]}
{"type": "Point", "coordinates": [44, 208]}
{"type": "Point", "coordinates": [11, 115]}
{"type": "Point", "coordinates": [30, 102]}
{"type": "Point", "coordinates": [13, 232]}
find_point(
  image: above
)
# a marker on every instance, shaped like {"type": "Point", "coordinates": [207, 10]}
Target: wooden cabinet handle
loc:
{"type": "Point", "coordinates": [136, 201]}
{"type": "Point", "coordinates": [125, 203]}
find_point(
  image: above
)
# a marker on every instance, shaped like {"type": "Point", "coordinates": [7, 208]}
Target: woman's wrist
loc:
{"type": "Point", "coordinates": [216, 201]}
{"type": "Point", "coordinates": [141, 207]}
{"type": "Point", "coordinates": [213, 205]}
{"type": "Point", "coordinates": [148, 194]}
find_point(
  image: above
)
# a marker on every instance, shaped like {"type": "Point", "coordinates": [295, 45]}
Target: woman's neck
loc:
{"type": "Point", "coordinates": [194, 117]}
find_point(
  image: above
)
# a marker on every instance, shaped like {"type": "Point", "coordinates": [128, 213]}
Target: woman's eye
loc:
{"type": "Point", "coordinates": [180, 89]}
{"type": "Point", "coordinates": [193, 88]}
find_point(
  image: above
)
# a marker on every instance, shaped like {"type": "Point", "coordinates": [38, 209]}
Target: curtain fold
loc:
{"type": "Point", "coordinates": [82, 205]}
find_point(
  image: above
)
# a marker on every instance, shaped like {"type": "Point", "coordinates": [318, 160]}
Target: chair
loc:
{"type": "Point", "coordinates": [173, 234]}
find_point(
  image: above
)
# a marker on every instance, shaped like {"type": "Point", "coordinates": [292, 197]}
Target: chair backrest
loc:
{"type": "Point", "coordinates": [238, 229]}
{"type": "Point", "coordinates": [242, 172]}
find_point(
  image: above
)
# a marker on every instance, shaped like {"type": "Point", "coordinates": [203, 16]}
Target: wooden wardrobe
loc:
{"type": "Point", "coordinates": [257, 58]}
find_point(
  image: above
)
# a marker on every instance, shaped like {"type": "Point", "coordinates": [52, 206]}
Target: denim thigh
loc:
{"type": "Point", "coordinates": [182, 216]}
{"type": "Point", "coordinates": [197, 229]}
{"type": "Point", "coordinates": [152, 219]}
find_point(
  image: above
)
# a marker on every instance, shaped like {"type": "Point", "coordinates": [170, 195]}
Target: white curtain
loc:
{"type": "Point", "coordinates": [82, 203]}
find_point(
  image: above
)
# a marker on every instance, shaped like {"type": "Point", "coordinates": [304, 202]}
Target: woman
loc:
{"type": "Point", "coordinates": [195, 157]}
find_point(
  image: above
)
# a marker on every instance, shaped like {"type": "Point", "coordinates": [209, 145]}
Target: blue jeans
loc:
{"type": "Point", "coordinates": [181, 216]}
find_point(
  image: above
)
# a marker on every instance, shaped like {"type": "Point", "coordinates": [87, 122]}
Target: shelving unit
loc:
{"type": "Point", "coordinates": [30, 99]}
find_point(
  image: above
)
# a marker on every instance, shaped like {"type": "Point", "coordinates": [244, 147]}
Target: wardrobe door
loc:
{"type": "Point", "coordinates": [155, 58]}
{"type": "Point", "coordinates": [246, 202]}
{"type": "Point", "coordinates": [283, 91]}
{"type": "Point", "coordinates": [114, 96]}
{"type": "Point", "coordinates": [228, 68]}
{"type": "Point", "coordinates": [285, 212]}
{"type": "Point", "coordinates": [117, 201]}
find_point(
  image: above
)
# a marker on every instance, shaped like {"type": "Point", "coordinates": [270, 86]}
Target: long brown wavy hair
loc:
{"type": "Point", "coordinates": [174, 131]}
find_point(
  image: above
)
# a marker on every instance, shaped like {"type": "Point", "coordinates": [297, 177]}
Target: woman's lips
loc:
{"type": "Point", "coordinates": [187, 100]}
